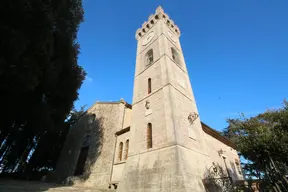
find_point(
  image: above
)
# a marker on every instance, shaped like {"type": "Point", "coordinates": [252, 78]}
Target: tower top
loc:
{"type": "Point", "coordinates": [153, 19]}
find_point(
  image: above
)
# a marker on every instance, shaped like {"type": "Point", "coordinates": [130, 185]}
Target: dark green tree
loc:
{"type": "Point", "coordinates": [263, 141]}
{"type": "Point", "coordinates": [39, 74]}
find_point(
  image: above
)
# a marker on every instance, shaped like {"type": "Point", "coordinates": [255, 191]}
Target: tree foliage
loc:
{"type": "Point", "coordinates": [46, 153]}
{"type": "Point", "coordinates": [263, 141]}
{"type": "Point", "coordinates": [39, 76]}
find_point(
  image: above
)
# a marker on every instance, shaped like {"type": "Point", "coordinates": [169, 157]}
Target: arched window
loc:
{"type": "Point", "coordinates": [126, 148]}
{"type": "Point", "coordinates": [149, 86]}
{"type": "Point", "coordinates": [149, 57]}
{"type": "Point", "coordinates": [120, 151]}
{"type": "Point", "coordinates": [175, 55]}
{"type": "Point", "coordinates": [149, 136]}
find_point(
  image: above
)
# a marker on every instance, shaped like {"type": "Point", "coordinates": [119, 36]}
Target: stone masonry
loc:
{"type": "Point", "coordinates": [159, 142]}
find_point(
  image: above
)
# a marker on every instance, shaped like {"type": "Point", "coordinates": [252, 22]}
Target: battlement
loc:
{"type": "Point", "coordinates": [152, 19]}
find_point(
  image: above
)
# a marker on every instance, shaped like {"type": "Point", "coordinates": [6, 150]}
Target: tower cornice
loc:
{"type": "Point", "coordinates": [152, 19]}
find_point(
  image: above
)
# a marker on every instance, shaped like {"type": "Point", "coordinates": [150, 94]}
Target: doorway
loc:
{"type": "Point", "coordinates": [81, 161]}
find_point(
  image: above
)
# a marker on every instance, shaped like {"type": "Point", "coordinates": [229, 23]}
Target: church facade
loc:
{"type": "Point", "coordinates": [159, 142]}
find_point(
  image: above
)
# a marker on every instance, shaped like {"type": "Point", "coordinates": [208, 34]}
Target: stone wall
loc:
{"type": "Point", "coordinates": [98, 167]}
{"type": "Point", "coordinates": [214, 147]}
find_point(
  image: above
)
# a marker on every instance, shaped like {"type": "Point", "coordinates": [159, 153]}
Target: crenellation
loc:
{"type": "Point", "coordinates": [152, 19]}
{"type": "Point", "coordinates": [165, 16]}
{"type": "Point", "coordinates": [159, 9]}
{"type": "Point", "coordinates": [144, 25]}
{"type": "Point", "coordinates": [156, 17]}
{"type": "Point", "coordinates": [171, 22]}
{"type": "Point", "coordinates": [147, 26]}
{"type": "Point", "coordinates": [177, 30]}
{"type": "Point", "coordinates": [138, 34]}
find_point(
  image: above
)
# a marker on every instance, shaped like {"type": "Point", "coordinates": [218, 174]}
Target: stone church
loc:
{"type": "Point", "coordinates": [157, 143]}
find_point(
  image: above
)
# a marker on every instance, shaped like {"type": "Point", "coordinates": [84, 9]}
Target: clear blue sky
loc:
{"type": "Point", "coordinates": [236, 52]}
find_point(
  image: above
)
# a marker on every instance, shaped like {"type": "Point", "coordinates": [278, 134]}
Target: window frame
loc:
{"type": "Point", "coordinates": [149, 57]}
{"type": "Point", "coordinates": [126, 149]}
{"type": "Point", "coordinates": [120, 151]}
{"type": "Point", "coordinates": [149, 136]}
{"type": "Point", "coordinates": [149, 85]}
{"type": "Point", "coordinates": [175, 55]}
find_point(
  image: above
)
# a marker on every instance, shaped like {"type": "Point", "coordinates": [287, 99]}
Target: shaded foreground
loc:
{"type": "Point", "coordinates": [28, 186]}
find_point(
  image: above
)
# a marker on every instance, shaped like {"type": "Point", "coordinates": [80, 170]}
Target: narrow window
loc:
{"type": "Point", "coordinates": [126, 148]}
{"type": "Point", "coordinates": [149, 57]}
{"type": "Point", "coordinates": [233, 166]}
{"type": "Point", "coordinates": [238, 167]}
{"type": "Point", "coordinates": [81, 161]}
{"type": "Point", "coordinates": [175, 55]}
{"type": "Point", "coordinates": [149, 86]}
{"type": "Point", "coordinates": [120, 151]}
{"type": "Point", "coordinates": [149, 136]}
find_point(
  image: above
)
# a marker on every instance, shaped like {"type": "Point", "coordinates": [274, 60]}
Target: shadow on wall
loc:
{"type": "Point", "coordinates": [81, 151]}
{"type": "Point", "coordinates": [90, 150]}
{"type": "Point", "coordinates": [79, 155]}
{"type": "Point", "coordinates": [216, 179]}
{"type": "Point", "coordinates": [93, 142]}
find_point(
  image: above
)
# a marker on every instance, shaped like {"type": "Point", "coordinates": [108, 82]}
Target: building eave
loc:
{"type": "Point", "coordinates": [213, 133]}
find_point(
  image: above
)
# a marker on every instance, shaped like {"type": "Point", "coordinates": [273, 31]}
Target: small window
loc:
{"type": "Point", "coordinates": [91, 119]}
{"type": "Point", "coordinates": [120, 151]}
{"type": "Point", "coordinates": [238, 165]}
{"type": "Point", "coordinates": [175, 55]}
{"type": "Point", "coordinates": [149, 86]}
{"type": "Point", "coordinates": [149, 136]}
{"type": "Point", "coordinates": [126, 149]}
{"type": "Point", "coordinates": [149, 57]}
{"type": "Point", "coordinates": [233, 166]}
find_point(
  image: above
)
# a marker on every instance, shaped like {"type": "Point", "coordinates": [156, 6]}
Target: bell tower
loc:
{"type": "Point", "coordinates": [167, 151]}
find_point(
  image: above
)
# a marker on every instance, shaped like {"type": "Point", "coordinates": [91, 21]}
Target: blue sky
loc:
{"type": "Point", "coordinates": [236, 52]}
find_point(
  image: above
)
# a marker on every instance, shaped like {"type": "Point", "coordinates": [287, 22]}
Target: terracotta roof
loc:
{"type": "Point", "coordinates": [217, 135]}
